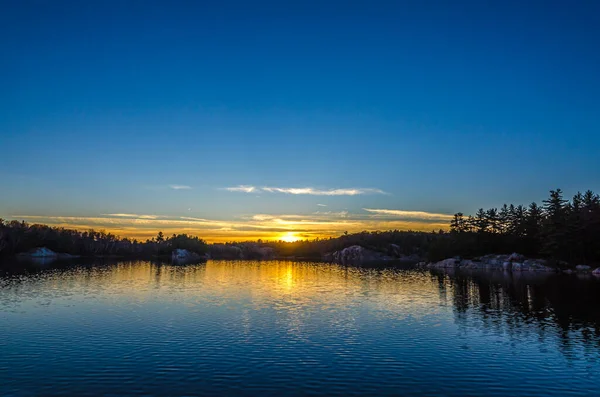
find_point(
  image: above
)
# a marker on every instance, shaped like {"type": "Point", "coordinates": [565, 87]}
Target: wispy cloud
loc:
{"type": "Point", "coordinates": [421, 215]}
{"type": "Point", "coordinates": [341, 214]}
{"type": "Point", "coordinates": [242, 188]}
{"type": "Point", "coordinates": [317, 192]}
{"type": "Point", "coordinates": [133, 216]}
{"type": "Point", "coordinates": [306, 191]}
{"type": "Point", "coordinates": [180, 187]}
{"type": "Point", "coordinates": [322, 205]}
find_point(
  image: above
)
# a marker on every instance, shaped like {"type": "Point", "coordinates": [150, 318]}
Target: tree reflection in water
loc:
{"type": "Point", "coordinates": [567, 307]}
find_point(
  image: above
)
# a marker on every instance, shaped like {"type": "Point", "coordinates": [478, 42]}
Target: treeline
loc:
{"type": "Point", "coordinates": [560, 229]}
{"type": "Point", "coordinates": [393, 242]}
{"type": "Point", "coordinates": [17, 237]}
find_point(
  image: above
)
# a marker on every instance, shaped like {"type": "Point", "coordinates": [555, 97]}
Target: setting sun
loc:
{"type": "Point", "coordinates": [289, 237]}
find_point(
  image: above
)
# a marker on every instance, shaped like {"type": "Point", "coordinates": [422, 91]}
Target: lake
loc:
{"type": "Point", "coordinates": [295, 328]}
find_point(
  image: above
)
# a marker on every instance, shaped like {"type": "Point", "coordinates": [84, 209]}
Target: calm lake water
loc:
{"type": "Point", "coordinates": [273, 328]}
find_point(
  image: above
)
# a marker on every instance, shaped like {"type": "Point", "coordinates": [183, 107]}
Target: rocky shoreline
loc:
{"type": "Point", "coordinates": [357, 255]}
{"type": "Point", "coordinates": [510, 263]}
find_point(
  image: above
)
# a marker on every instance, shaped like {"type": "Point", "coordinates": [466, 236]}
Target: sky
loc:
{"type": "Point", "coordinates": [236, 120]}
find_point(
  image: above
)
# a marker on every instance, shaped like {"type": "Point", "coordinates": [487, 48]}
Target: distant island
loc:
{"type": "Point", "coordinates": [559, 234]}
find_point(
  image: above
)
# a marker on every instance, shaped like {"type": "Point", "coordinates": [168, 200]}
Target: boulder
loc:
{"type": "Point", "coordinates": [44, 253]}
{"type": "Point", "coordinates": [535, 262]}
{"type": "Point", "coordinates": [514, 257]}
{"type": "Point", "coordinates": [185, 256]}
{"type": "Point", "coordinates": [356, 255]}
{"type": "Point", "coordinates": [469, 264]}
{"type": "Point", "coordinates": [494, 260]}
{"type": "Point", "coordinates": [447, 263]}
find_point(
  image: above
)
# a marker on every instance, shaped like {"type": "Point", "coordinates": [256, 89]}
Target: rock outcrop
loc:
{"type": "Point", "coordinates": [42, 252]}
{"type": "Point", "coordinates": [357, 255]}
{"type": "Point", "coordinates": [185, 256]}
{"type": "Point", "coordinates": [43, 256]}
{"type": "Point", "coordinates": [514, 262]}
{"type": "Point", "coordinates": [45, 253]}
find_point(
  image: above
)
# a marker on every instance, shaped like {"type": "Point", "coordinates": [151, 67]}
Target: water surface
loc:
{"type": "Point", "coordinates": [272, 328]}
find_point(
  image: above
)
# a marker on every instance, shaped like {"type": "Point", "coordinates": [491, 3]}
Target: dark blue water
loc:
{"type": "Point", "coordinates": [283, 328]}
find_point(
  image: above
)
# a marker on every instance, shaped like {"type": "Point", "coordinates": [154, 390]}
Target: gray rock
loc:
{"type": "Point", "coordinates": [185, 256]}
{"type": "Point", "coordinates": [535, 262]}
{"type": "Point", "coordinates": [356, 255]}
{"type": "Point", "coordinates": [446, 263]}
{"type": "Point", "coordinates": [514, 257]}
{"type": "Point", "coordinates": [44, 254]}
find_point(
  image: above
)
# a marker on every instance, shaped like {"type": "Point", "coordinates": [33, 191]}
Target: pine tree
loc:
{"type": "Point", "coordinates": [518, 219]}
{"type": "Point", "coordinates": [492, 218]}
{"type": "Point", "coordinates": [481, 221]}
{"type": "Point", "coordinates": [591, 225]}
{"type": "Point", "coordinates": [555, 227]}
{"type": "Point", "coordinates": [458, 223]}
{"type": "Point", "coordinates": [504, 219]}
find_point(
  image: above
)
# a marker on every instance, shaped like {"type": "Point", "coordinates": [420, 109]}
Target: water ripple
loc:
{"type": "Point", "coordinates": [273, 328]}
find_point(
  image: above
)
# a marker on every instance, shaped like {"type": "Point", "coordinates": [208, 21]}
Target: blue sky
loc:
{"type": "Point", "coordinates": [435, 106]}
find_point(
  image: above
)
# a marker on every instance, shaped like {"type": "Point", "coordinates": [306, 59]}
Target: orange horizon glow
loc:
{"type": "Point", "coordinates": [265, 227]}
{"type": "Point", "coordinates": [290, 237]}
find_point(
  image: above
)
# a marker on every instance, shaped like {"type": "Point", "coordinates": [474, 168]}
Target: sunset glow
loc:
{"type": "Point", "coordinates": [267, 227]}
{"type": "Point", "coordinates": [290, 237]}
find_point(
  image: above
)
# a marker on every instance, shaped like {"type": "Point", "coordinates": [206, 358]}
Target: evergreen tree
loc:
{"type": "Point", "coordinates": [492, 219]}
{"type": "Point", "coordinates": [458, 223]}
{"type": "Point", "coordinates": [555, 226]}
{"type": "Point", "coordinates": [518, 219]}
{"type": "Point", "coordinates": [481, 221]}
{"type": "Point", "coordinates": [504, 219]}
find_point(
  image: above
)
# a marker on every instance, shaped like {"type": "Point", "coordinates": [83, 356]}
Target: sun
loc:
{"type": "Point", "coordinates": [289, 237]}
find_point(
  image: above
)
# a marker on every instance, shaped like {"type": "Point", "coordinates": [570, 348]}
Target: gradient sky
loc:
{"type": "Point", "coordinates": [136, 116]}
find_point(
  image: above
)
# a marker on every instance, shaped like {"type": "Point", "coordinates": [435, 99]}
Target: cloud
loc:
{"type": "Point", "coordinates": [133, 216]}
{"type": "Point", "coordinates": [341, 214]}
{"type": "Point", "coordinates": [322, 205]}
{"type": "Point", "coordinates": [306, 191]}
{"type": "Point", "coordinates": [180, 187]}
{"type": "Point", "coordinates": [241, 188]}
{"type": "Point", "coordinates": [329, 192]}
{"type": "Point", "coordinates": [420, 215]}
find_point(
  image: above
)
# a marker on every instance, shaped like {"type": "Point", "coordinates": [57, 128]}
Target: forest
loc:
{"type": "Point", "coordinates": [18, 237]}
{"type": "Point", "coordinates": [558, 229]}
